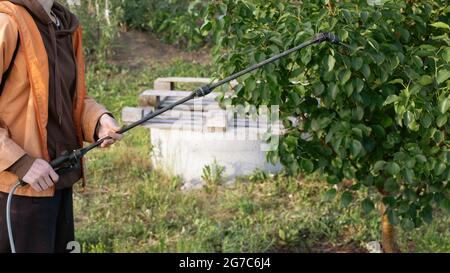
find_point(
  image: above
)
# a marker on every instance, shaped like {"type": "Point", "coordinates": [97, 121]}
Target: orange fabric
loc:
{"type": "Point", "coordinates": [24, 101]}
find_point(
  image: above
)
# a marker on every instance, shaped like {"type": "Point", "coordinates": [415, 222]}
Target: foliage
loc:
{"type": "Point", "coordinates": [99, 23]}
{"type": "Point", "coordinates": [176, 21]}
{"type": "Point", "coordinates": [377, 114]}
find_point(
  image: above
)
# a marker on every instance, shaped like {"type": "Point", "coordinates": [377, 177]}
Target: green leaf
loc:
{"type": "Point", "coordinates": [446, 55]}
{"type": "Point", "coordinates": [426, 120]}
{"type": "Point", "coordinates": [409, 175]}
{"type": "Point", "coordinates": [331, 62]}
{"type": "Point", "coordinates": [417, 61]}
{"type": "Point", "coordinates": [400, 81]}
{"type": "Point", "coordinates": [306, 56]}
{"type": "Point", "coordinates": [441, 120]}
{"type": "Point", "coordinates": [442, 76]}
{"type": "Point", "coordinates": [358, 113]}
{"type": "Point", "coordinates": [336, 142]}
{"type": "Point", "coordinates": [307, 165]}
{"type": "Point", "coordinates": [333, 180]}
{"type": "Point", "coordinates": [444, 105]}
{"type": "Point", "coordinates": [367, 205]}
{"type": "Point", "coordinates": [364, 16]}
{"type": "Point", "coordinates": [291, 141]}
{"type": "Point", "coordinates": [373, 43]}
{"type": "Point", "coordinates": [441, 25]}
{"type": "Point", "coordinates": [408, 119]}
{"type": "Point", "coordinates": [250, 84]}
{"type": "Point", "coordinates": [359, 84]}
{"type": "Point", "coordinates": [392, 168]}
{"type": "Point", "coordinates": [404, 34]}
{"type": "Point", "coordinates": [318, 89]}
{"type": "Point", "coordinates": [378, 166]}
{"type": "Point", "coordinates": [391, 99]}
{"type": "Point", "coordinates": [349, 89]}
{"type": "Point", "coordinates": [389, 201]}
{"type": "Point", "coordinates": [277, 41]}
{"type": "Point", "coordinates": [357, 63]}
{"type": "Point", "coordinates": [440, 168]}
{"type": "Point", "coordinates": [391, 186]}
{"type": "Point", "coordinates": [334, 90]}
{"type": "Point", "coordinates": [206, 27]}
{"type": "Point", "coordinates": [345, 76]}
{"type": "Point", "coordinates": [329, 195]}
{"type": "Point", "coordinates": [427, 214]}
{"type": "Point", "coordinates": [346, 199]}
{"type": "Point", "coordinates": [356, 147]}
{"type": "Point", "coordinates": [379, 131]}
{"type": "Point", "coordinates": [421, 158]}
{"type": "Point", "coordinates": [393, 217]}
{"type": "Point", "coordinates": [425, 80]}
{"type": "Point", "coordinates": [366, 71]}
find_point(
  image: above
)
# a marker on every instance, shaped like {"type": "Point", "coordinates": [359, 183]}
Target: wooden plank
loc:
{"type": "Point", "coordinates": [170, 127]}
{"type": "Point", "coordinates": [195, 108]}
{"type": "Point", "coordinates": [180, 113]}
{"type": "Point", "coordinates": [172, 121]}
{"type": "Point", "coordinates": [183, 80]}
{"type": "Point", "coordinates": [173, 93]}
{"type": "Point", "coordinates": [155, 98]}
{"type": "Point", "coordinates": [163, 85]}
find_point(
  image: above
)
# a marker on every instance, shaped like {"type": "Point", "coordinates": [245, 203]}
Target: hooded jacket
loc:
{"type": "Point", "coordinates": [44, 109]}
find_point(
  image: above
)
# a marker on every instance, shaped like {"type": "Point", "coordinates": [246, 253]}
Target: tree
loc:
{"type": "Point", "coordinates": [377, 114]}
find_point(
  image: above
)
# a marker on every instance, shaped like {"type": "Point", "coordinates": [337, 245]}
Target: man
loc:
{"type": "Point", "coordinates": [44, 111]}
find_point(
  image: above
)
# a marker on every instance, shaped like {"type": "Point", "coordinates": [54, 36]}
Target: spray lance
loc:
{"type": "Point", "coordinates": [70, 161]}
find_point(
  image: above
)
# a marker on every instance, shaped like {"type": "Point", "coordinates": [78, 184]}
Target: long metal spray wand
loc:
{"type": "Point", "coordinates": [73, 159]}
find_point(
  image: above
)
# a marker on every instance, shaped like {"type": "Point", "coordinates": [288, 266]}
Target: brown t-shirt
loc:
{"type": "Point", "coordinates": [57, 38]}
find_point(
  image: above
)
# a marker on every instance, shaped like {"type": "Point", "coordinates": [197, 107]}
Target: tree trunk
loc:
{"type": "Point", "coordinates": [388, 238]}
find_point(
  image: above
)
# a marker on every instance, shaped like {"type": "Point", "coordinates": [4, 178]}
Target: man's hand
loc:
{"type": "Point", "coordinates": [41, 176]}
{"type": "Point", "coordinates": [108, 127]}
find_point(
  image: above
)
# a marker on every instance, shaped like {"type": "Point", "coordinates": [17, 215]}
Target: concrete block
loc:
{"type": "Point", "coordinates": [132, 114]}
{"type": "Point", "coordinates": [216, 121]}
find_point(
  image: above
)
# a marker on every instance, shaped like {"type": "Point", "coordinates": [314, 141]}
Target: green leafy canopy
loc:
{"type": "Point", "coordinates": [377, 114]}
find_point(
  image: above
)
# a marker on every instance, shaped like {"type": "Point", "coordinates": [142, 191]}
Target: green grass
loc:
{"type": "Point", "coordinates": [127, 207]}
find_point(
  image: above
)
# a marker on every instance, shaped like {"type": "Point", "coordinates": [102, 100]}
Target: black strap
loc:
{"type": "Point", "coordinates": [8, 71]}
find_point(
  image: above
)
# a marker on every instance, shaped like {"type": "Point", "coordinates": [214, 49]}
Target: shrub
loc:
{"type": "Point", "coordinates": [99, 21]}
{"type": "Point", "coordinates": [176, 21]}
{"type": "Point", "coordinates": [376, 115]}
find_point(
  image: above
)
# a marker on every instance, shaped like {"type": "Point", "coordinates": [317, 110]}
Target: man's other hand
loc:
{"type": "Point", "coordinates": [108, 127]}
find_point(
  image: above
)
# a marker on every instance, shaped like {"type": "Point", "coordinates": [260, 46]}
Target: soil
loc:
{"type": "Point", "coordinates": [135, 49]}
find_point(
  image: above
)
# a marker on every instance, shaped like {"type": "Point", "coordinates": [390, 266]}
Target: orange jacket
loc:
{"type": "Point", "coordinates": [24, 101]}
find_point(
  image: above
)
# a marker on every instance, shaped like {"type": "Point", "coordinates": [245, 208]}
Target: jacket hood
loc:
{"type": "Point", "coordinates": [69, 20]}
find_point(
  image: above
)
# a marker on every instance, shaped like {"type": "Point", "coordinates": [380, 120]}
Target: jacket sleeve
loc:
{"type": "Point", "coordinates": [10, 152]}
{"type": "Point", "coordinates": [92, 111]}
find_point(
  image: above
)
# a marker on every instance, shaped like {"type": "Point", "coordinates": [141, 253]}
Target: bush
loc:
{"type": "Point", "coordinates": [99, 22]}
{"type": "Point", "coordinates": [176, 21]}
{"type": "Point", "coordinates": [377, 115]}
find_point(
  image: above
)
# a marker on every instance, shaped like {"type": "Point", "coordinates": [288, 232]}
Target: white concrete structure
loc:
{"type": "Point", "coordinates": [198, 134]}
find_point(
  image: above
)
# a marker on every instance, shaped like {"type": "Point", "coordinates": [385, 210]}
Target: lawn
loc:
{"type": "Point", "coordinates": [128, 207]}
